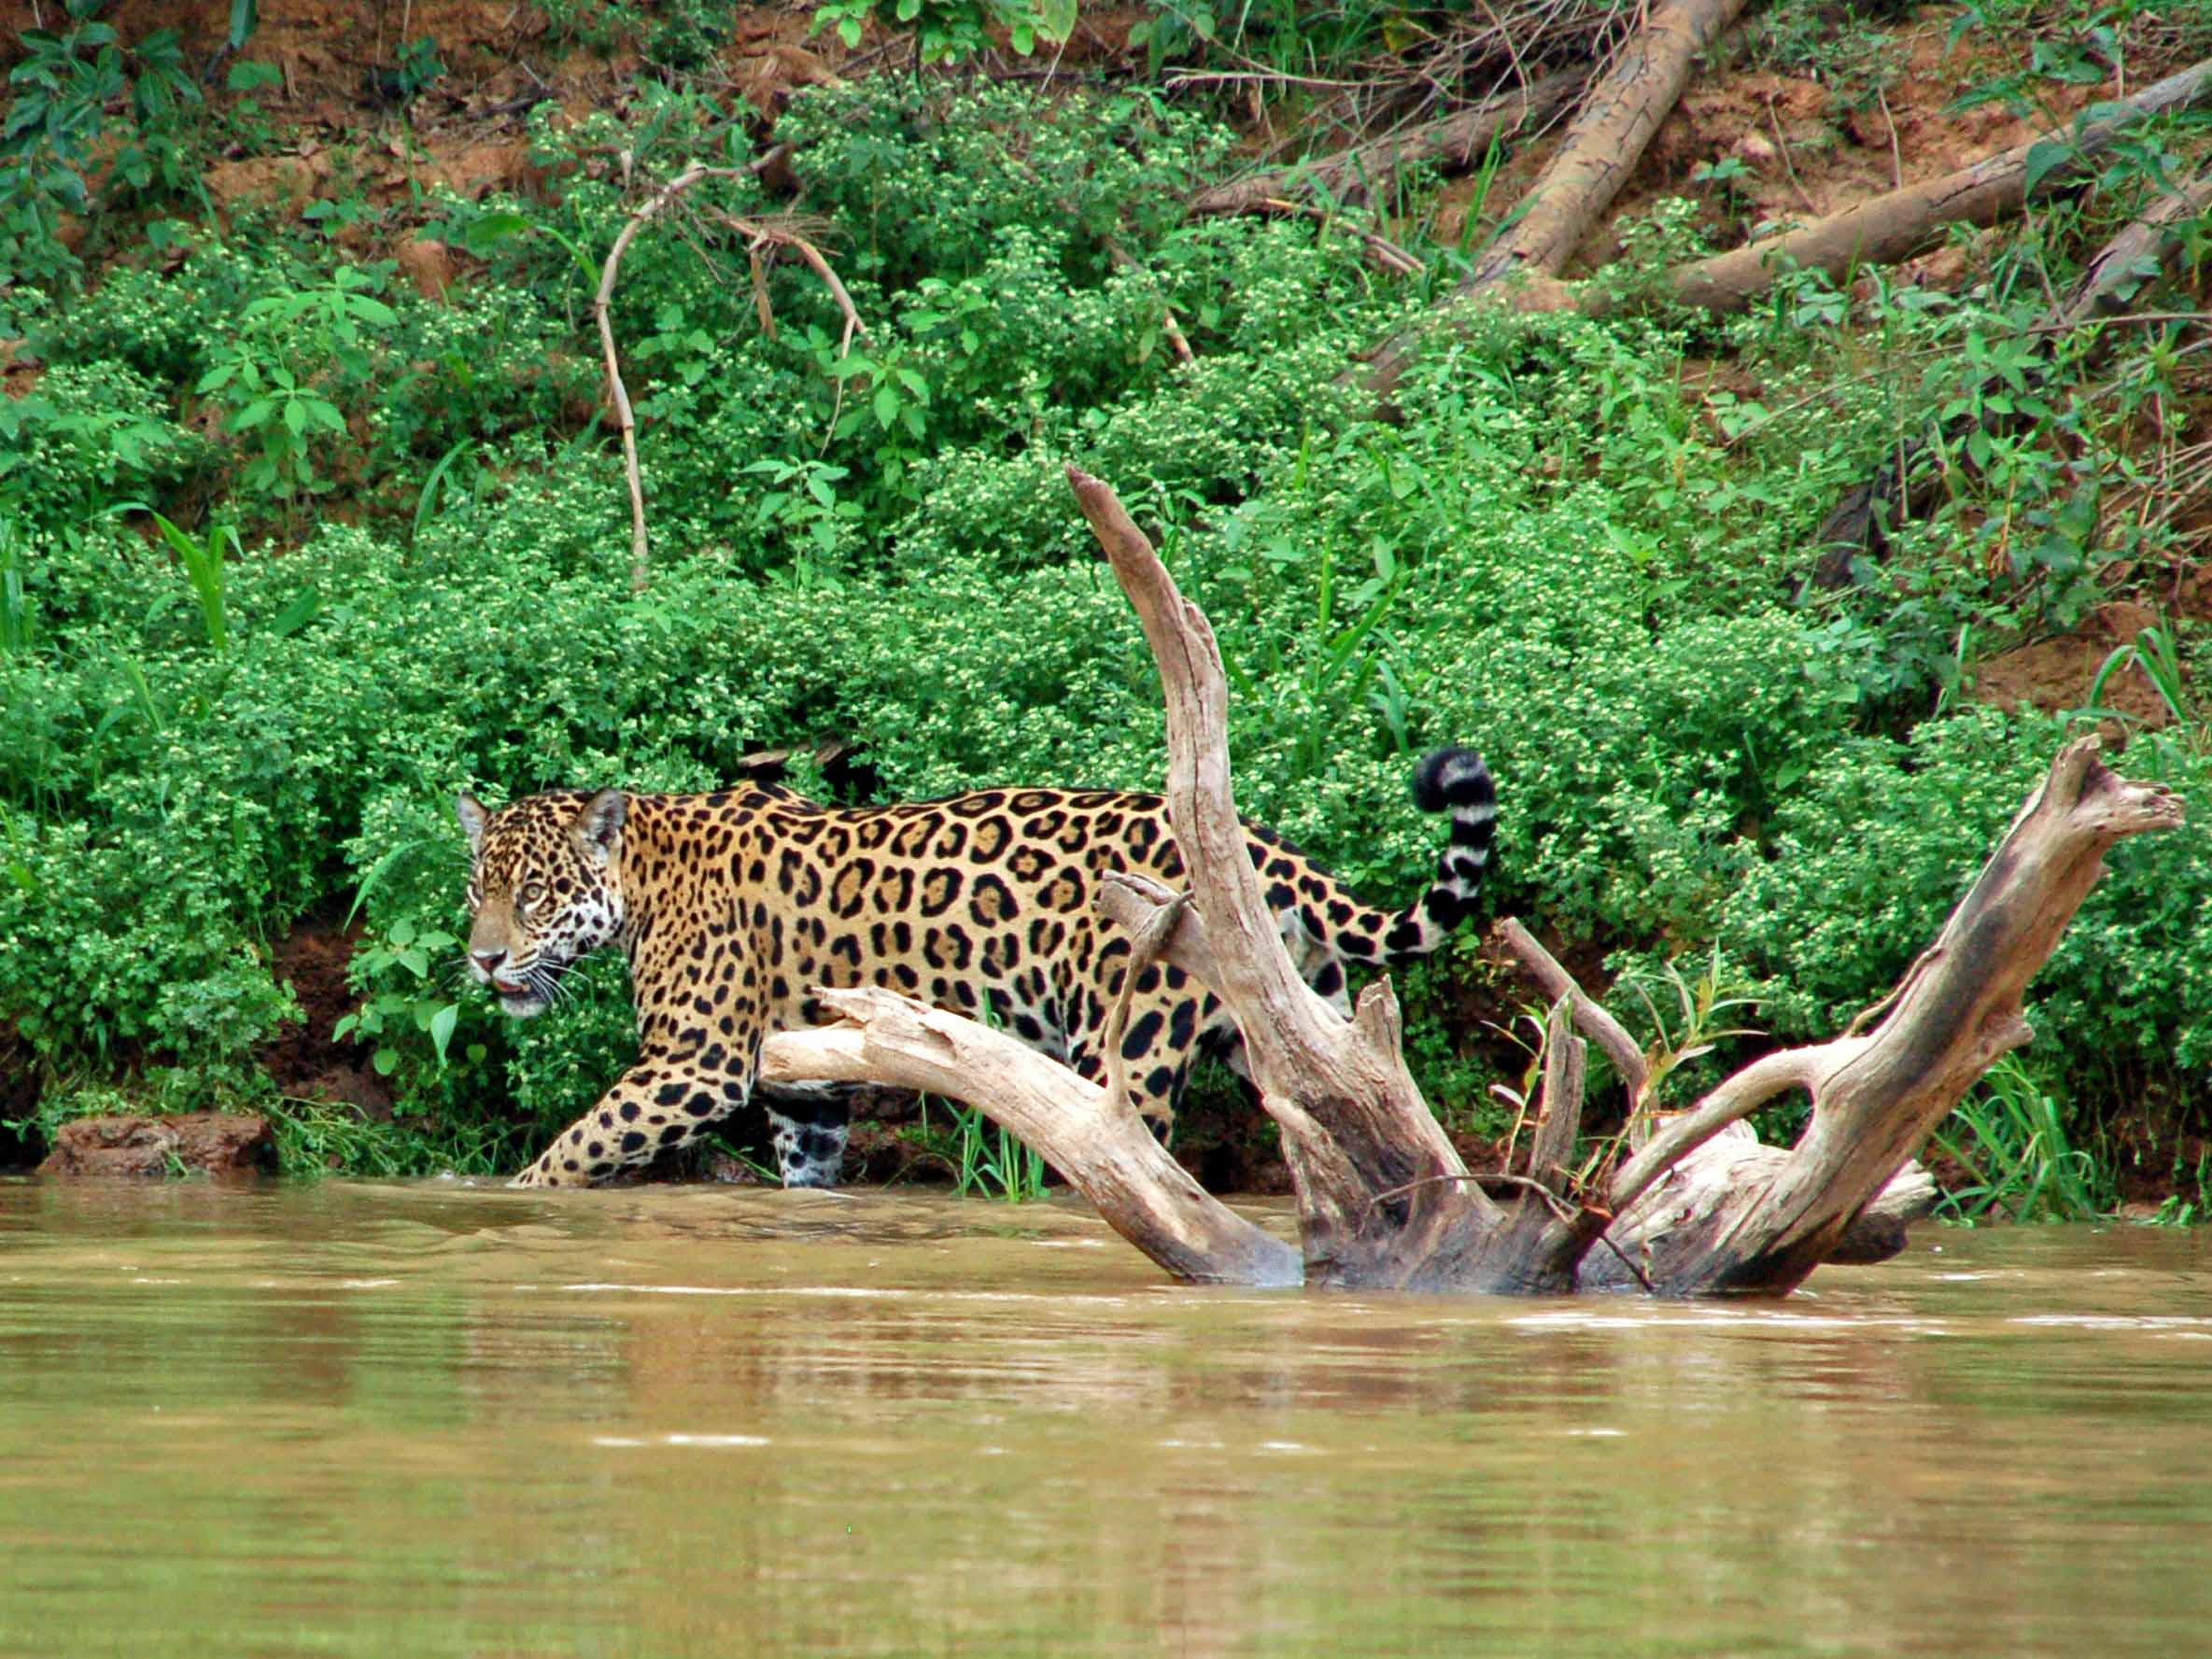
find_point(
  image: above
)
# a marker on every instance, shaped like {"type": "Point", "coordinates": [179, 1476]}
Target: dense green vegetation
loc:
{"type": "Point", "coordinates": [291, 553]}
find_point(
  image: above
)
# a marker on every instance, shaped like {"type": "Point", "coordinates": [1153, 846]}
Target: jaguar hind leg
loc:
{"type": "Point", "coordinates": [808, 1124]}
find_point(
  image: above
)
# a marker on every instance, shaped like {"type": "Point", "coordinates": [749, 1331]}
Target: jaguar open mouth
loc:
{"type": "Point", "coordinates": [509, 987]}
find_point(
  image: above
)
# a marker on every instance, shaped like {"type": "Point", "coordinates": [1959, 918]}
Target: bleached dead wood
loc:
{"type": "Point", "coordinates": [1099, 1143]}
{"type": "Point", "coordinates": [1877, 1097]}
{"type": "Point", "coordinates": [1733, 1158]}
{"type": "Point", "coordinates": [1383, 1199]}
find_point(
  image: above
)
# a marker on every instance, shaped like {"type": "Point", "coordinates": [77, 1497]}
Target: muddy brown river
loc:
{"type": "Point", "coordinates": [429, 1419]}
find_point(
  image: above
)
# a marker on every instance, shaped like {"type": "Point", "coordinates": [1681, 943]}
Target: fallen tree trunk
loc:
{"type": "Point", "coordinates": [1862, 520]}
{"type": "Point", "coordinates": [1899, 224]}
{"type": "Point", "coordinates": [1458, 141]}
{"type": "Point", "coordinates": [1383, 1200]}
{"type": "Point", "coordinates": [1606, 141]}
{"type": "Point", "coordinates": [1594, 160]}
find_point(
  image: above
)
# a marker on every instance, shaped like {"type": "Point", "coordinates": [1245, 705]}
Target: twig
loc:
{"type": "Point", "coordinates": [510, 106]}
{"type": "Point", "coordinates": [768, 234]}
{"type": "Point", "coordinates": [1789, 166]}
{"type": "Point", "coordinates": [1896, 157]}
{"type": "Point", "coordinates": [1384, 252]}
{"type": "Point", "coordinates": [1456, 141]}
{"type": "Point", "coordinates": [2122, 318]}
{"type": "Point", "coordinates": [1168, 325]}
{"type": "Point", "coordinates": [1185, 77]}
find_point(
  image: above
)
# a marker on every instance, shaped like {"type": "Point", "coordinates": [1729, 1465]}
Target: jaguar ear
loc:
{"type": "Point", "coordinates": [469, 811]}
{"type": "Point", "coordinates": [594, 828]}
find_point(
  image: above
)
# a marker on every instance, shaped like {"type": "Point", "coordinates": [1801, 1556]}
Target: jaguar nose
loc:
{"type": "Point", "coordinates": [487, 960]}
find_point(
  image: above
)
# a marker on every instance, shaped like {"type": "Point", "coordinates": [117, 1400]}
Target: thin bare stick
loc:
{"type": "Point", "coordinates": [1626, 1055]}
{"type": "Point", "coordinates": [1168, 325]}
{"type": "Point", "coordinates": [1381, 249]}
{"type": "Point", "coordinates": [1788, 166]}
{"type": "Point", "coordinates": [1896, 155]}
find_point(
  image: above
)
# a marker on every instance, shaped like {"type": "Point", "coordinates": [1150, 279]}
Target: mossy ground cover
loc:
{"type": "Point", "coordinates": [296, 546]}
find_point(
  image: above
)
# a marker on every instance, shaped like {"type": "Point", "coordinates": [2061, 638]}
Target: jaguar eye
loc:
{"type": "Point", "coordinates": [529, 894]}
{"type": "Point", "coordinates": [475, 896]}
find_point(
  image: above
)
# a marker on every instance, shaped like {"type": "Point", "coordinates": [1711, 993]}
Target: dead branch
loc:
{"type": "Point", "coordinates": [1169, 325]}
{"type": "Point", "coordinates": [1458, 142]}
{"type": "Point", "coordinates": [1383, 253]}
{"type": "Point", "coordinates": [1353, 1124]}
{"type": "Point", "coordinates": [761, 234]}
{"type": "Point", "coordinates": [1607, 138]}
{"type": "Point", "coordinates": [1383, 1198]}
{"type": "Point", "coordinates": [1517, 944]}
{"type": "Point", "coordinates": [1876, 1098]}
{"type": "Point", "coordinates": [2141, 251]}
{"type": "Point", "coordinates": [1899, 224]}
{"type": "Point", "coordinates": [1088, 1135]}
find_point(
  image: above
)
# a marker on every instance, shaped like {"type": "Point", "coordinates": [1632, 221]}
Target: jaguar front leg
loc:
{"type": "Point", "coordinates": [659, 1104]}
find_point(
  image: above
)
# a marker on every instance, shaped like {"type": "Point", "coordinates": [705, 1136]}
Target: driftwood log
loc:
{"type": "Point", "coordinates": [1383, 1200]}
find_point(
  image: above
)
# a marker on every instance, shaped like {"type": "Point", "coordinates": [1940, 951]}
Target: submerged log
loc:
{"type": "Point", "coordinates": [1383, 1199]}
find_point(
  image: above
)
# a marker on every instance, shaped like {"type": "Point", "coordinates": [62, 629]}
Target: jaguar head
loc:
{"type": "Point", "coordinates": [544, 890]}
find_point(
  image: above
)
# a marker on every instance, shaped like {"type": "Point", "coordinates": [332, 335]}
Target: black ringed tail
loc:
{"type": "Point", "coordinates": [1453, 780]}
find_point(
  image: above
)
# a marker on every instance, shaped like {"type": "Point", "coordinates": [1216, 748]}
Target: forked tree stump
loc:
{"type": "Point", "coordinates": [1383, 1200]}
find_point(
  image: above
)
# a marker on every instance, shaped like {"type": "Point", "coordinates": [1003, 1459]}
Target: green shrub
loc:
{"type": "Point", "coordinates": [1552, 550]}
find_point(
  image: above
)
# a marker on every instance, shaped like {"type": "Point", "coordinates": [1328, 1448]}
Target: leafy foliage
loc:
{"type": "Point", "coordinates": [224, 714]}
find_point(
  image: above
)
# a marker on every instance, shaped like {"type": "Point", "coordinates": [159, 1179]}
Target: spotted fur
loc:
{"type": "Point", "coordinates": [731, 906]}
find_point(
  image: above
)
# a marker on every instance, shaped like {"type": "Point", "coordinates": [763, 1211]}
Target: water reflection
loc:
{"type": "Point", "coordinates": [428, 1420]}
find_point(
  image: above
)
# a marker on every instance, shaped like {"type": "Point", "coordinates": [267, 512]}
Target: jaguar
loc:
{"type": "Point", "coordinates": [733, 908]}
